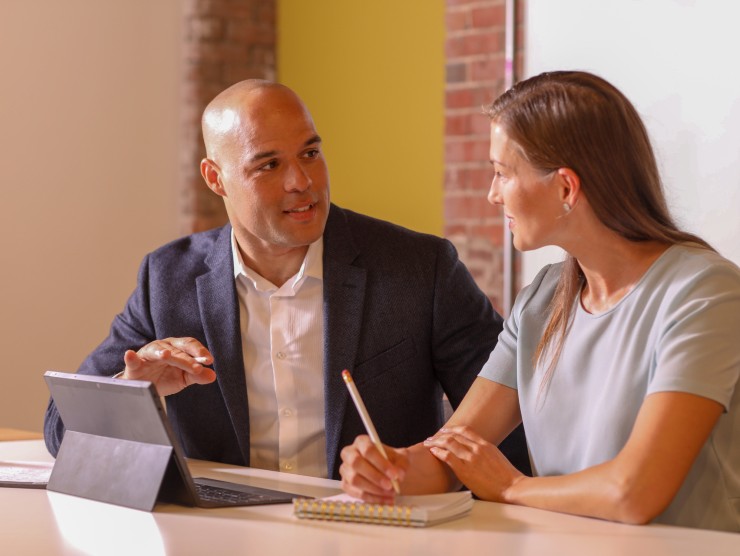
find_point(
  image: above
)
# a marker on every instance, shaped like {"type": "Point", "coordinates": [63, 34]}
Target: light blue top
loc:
{"type": "Point", "coordinates": [678, 330]}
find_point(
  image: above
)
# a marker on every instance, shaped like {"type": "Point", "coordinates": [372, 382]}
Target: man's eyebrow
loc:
{"type": "Point", "coordinates": [262, 155]}
{"type": "Point", "coordinates": [269, 154]}
{"type": "Point", "coordinates": [312, 140]}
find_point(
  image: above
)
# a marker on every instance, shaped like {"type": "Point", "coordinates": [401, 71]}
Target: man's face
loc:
{"type": "Point", "coordinates": [273, 174]}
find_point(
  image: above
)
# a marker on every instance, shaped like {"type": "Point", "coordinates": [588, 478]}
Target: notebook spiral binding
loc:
{"type": "Point", "coordinates": [351, 511]}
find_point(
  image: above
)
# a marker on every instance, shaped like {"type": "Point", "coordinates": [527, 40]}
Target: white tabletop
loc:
{"type": "Point", "coordinates": [34, 521]}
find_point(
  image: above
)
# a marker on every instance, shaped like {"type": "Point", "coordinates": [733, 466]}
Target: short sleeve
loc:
{"type": "Point", "coordinates": [698, 351]}
{"type": "Point", "coordinates": [522, 331]}
{"type": "Point", "coordinates": [501, 364]}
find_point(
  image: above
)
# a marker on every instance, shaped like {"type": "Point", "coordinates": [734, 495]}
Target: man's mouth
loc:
{"type": "Point", "coordinates": [301, 209]}
{"type": "Point", "coordinates": [302, 213]}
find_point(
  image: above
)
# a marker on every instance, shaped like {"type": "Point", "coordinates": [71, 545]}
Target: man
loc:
{"type": "Point", "coordinates": [291, 292]}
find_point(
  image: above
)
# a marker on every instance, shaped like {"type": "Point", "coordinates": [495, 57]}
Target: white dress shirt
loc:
{"type": "Point", "coordinates": [282, 331]}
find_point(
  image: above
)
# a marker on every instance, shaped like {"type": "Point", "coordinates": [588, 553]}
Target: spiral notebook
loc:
{"type": "Point", "coordinates": [408, 511]}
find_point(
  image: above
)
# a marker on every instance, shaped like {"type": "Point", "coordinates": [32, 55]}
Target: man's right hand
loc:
{"type": "Point", "coordinates": [170, 364]}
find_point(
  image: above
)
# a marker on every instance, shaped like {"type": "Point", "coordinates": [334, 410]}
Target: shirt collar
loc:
{"type": "Point", "coordinates": [312, 267]}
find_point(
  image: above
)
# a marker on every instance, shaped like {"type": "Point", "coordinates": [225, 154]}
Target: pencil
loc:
{"type": "Point", "coordinates": [369, 427]}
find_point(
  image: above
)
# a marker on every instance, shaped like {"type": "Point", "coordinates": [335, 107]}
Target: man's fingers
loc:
{"type": "Point", "coordinates": [193, 348]}
{"type": "Point", "coordinates": [134, 365]}
{"type": "Point", "coordinates": [168, 366]}
{"type": "Point", "coordinates": [172, 360]}
{"type": "Point", "coordinates": [172, 352]}
{"type": "Point", "coordinates": [131, 359]}
{"type": "Point", "coordinates": [204, 376]}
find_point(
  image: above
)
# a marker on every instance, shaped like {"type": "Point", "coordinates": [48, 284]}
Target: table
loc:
{"type": "Point", "coordinates": [34, 521]}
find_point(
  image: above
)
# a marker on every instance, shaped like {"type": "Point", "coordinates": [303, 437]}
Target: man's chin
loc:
{"type": "Point", "coordinates": [304, 237]}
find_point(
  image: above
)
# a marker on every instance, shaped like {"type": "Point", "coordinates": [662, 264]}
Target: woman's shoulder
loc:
{"type": "Point", "coordinates": [689, 277]}
{"type": "Point", "coordinates": [688, 262]}
{"type": "Point", "coordinates": [699, 255]}
{"type": "Point", "coordinates": [536, 296]}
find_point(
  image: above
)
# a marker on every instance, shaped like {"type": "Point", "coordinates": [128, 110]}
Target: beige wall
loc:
{"type": "Point", "coordinates": [89, 158]}
{"type": "Point", "coordinates": [373, 76]}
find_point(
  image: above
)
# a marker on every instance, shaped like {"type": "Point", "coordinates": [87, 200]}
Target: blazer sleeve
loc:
{"type": "Point", "coordinates": [466, 329]}
{"type": "Point", "coordinates": [131, 329]}
{"type": "Point", "coordinates": [465, 326]}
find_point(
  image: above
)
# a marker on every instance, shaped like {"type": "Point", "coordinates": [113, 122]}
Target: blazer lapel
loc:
{"type": "Point", "coordinates": [344, 294]}
{"type": "Point", "coordinates": [219, 311]}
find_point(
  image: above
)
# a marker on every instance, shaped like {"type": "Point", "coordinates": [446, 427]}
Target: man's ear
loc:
{"type": "Point", "coordinates": [211, 174]}
{"type": "Point", "coordinates": [570, 186]}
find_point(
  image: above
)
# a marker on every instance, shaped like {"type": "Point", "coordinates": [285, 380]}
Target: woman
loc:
{"type": "Point", "coordinates": [622, 361]}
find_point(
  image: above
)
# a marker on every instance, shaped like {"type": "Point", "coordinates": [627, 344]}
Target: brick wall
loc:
{"type": "Point", "coordinates": [224, 41]}
{"type": "Point", "coordinates": [476, 70]}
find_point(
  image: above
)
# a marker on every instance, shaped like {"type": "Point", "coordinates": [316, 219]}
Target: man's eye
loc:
{"type": "Point", "coordinates": [313, 153]}
{"type": "Point", "coordinates": [269, 166]}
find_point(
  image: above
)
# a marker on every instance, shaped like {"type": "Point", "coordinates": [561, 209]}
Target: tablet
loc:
{"type": "Point", "coordinates": [118, 447]}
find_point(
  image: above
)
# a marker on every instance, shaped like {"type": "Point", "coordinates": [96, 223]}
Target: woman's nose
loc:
{"type": "Point", "coordinates": [494, 195]}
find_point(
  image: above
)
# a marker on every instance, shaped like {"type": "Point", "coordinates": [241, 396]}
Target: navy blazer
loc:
{"type": "Point", "coordinates": [400, 311]}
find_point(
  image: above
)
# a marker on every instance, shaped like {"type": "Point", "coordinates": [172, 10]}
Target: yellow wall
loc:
{"type": "Point", "coordinates": [372, 74]}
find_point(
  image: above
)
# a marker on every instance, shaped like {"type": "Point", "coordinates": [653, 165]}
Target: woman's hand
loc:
{"type": "Point", "coordinates": [478, 464]}
{"type": "Point", "coordinates": [366, 474]}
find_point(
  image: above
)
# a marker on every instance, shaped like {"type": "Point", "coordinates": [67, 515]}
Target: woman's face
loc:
{"type": "Point", "coordinates": [530, 200]}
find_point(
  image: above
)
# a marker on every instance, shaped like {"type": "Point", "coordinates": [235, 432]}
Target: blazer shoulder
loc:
{"type": "Point", "coordinates": [369, 232]}
{"type": "Point", "coordinates": [193, 247]}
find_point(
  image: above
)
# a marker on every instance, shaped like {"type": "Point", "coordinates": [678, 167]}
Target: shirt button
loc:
{"type": "Point", "coordinates": [287, 413]}
{"type": "Point", "coordinates": [280, 355]}
{"type": "Point", "coordinates": [287, 466]}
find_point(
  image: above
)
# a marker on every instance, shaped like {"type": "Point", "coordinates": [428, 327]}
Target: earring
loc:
{"type": "Point", "coordinates": [566, 207]}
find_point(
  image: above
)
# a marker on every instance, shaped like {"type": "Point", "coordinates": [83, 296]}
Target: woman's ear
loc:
{"type": "Point", "coordinates": [211, 174]}
{"type": "Point", "coordinates": [570, 186]}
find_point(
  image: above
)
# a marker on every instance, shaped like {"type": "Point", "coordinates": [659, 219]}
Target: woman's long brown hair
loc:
{"type": "Point", "coordinates": [577, 120]}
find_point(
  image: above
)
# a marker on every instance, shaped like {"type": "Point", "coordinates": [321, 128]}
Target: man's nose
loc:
{"type": "Point", "coordinates": [298, 178]}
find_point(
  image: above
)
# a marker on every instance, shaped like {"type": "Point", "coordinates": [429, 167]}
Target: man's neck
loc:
{"type": "Point", "coordinates": [277, 269]}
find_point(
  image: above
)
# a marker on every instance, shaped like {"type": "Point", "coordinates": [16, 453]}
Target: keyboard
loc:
{"type": "Point", "coordinates": [218, 494]}
{"type": "Point", "coordinates": [221, 493]}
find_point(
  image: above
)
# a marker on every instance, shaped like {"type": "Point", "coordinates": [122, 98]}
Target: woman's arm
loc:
{"type": "Point", "coordinates": [488, 407]}
{"type": "Point", "coordinates": [634, 487]}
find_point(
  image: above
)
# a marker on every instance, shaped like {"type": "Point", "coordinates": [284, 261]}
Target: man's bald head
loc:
{"type": "Point", "coordinates": [264, 159]}
{"type": "Point", "coordinates": [230, 115]}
